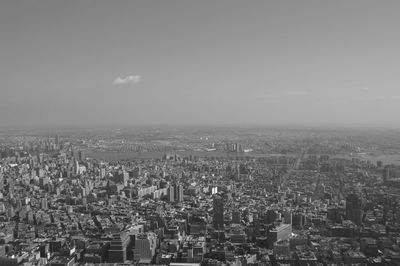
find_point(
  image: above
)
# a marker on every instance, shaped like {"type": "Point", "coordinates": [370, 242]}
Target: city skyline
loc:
{"type": "Point", "coordinates": [199, 62]}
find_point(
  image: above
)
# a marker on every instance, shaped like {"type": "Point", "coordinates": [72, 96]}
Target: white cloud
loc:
{"type": "Point", "coordinates": [133, 79]}
{"type": "Point", "coordinates": [284, 94]}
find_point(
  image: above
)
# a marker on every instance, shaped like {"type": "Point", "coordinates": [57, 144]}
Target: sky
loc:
{"type": "Point", "coordinates": [94, 62]}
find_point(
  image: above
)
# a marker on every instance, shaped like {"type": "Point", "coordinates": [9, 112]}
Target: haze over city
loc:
{"type": "Point", "coordinates": [199, 62]}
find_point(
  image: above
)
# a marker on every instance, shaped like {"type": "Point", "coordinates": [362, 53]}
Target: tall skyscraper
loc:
{"type": "Point", "coordinates": [354, 209]}
{"type": "Point", "coordinates": [236, 217]}
{"type": "Point", "coordinates": [44, 204]}
{"type": "Point", "coordinates": [281, 232]}
{"type": "Point", "coordinates": [102, 172]}
{"type": "Point", "coordinates": [118, 245]}
{"type": "Point", "coordinates": [218, 209]}
{"type": "Point", "coordinates": [145, 246]}
{"type": "Point", "coordinates": [80, 156]}
{"type": "Point", "coordinates": [179, 192]}
{"type": "Point", "coordinates": [171, 193]}
{"type": "Point", "coordinates": [76, 167]}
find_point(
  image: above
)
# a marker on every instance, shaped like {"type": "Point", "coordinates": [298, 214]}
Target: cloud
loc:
{"type": "Point", "coordinates": [133, 79]}
{"type": "Point", "coordinates": [284, 94]}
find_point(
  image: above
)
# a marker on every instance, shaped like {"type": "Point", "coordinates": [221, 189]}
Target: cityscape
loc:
{"type": "Point", "coordinates": [199, 133]}
{"type": "Point", "coordinates": [228, 196]}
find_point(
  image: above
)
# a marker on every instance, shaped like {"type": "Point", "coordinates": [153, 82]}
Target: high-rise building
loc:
{"type": "Point", "coordinates": [145, 247]}
{"type": "Point", "coordinates": [179, 193]}
{"type": "Point", "coordinates": [125, 177]}
{"type": "Point", "coordinates": [218, 210]}
{"type": "Point", "coordinates": [279, 233]}
{"type": "Point", "coordinates": [44, 204]}
{"type": "Point", "coordinates": [287, 217]}
{"type": "Point", "coordinates": [117, 251]}
{"type": "Point", "coordinates": [102, 172]}
{"type": "Point", "coordinates": [354, 209]}
{"type": "Point", "coordinates": [171, 193]}
{"type": "Point", "coordinates": [80, 156]}
{"type": "Point", "coordinates": [236, 217]}
{"type": "Point", "coordinates": [76, 167]}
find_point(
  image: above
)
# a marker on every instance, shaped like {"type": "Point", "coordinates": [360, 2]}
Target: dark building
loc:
{"type": "Point", "coordinates": [179, 193]}
{"type": "Point", "coordinates": [354, 211]}
{"type": "Point", "coordinates": [117, 251]}
{"type": "Point", "coordinates": [236, 218]}
{"type": "Point", "coordinates": [218, 209]}
{"type": "Point", "coordinates": [80, 156]}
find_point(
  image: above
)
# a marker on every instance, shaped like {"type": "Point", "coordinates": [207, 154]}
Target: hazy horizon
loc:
{"type": "Point", "coordinates": [104, 63]}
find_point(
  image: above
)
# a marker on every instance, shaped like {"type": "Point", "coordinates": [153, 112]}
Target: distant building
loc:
{"type": "Point", "coordinates": [145, 247]}
{"type": "Point", "coordinates": [118, 245]}
{"type": "Point", "coordinates": [236, 217]}
{"type": "Point", "coordinates": [76, 167]}
{"type": "Point", "coordinates": [218, 209]}
{"type": "Point", "coordinates": [80, 156]}
{"type": "Point", "coordinates": [62, 261]}
{"type": "Point", "coordinates": [354, 211]}
{"type": "Point", "coordinates": [279, 233]}
{"type": "Point", "coordinates": [282, 248]}
{"type": "Point", "coordinates": [44, 204]}
{"type": "Point", "coordinates": [179, 193]}
{"type": "Point", "coordinates": [171, 193]}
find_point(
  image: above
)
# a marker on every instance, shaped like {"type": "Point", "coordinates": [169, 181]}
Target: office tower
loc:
{"type": "Point", "coordinates": [125, 178]}
{"type": "Point", "coordinates": [102, 172]}
{"type": "Point", "coordinates": [80, 156]}
{"type": "Point", "coordinates": [39, 172]}
{"type": "Point", "coordinates": [319, 192]}
{"type": "Point", "coordinates": [179, 193]}
{"type": "Point", "coordinates": [236, 217]}
{"type": "Point", "coordinates": [282, 248]}
{"type": "Point", "coordinates": [287, 217]}
{"type": "Point", "coordinates": [218, 209]}
{"type": "Point", "coordinates": [145, 247]}
{"type": "Point", "coordinates": [279, 233]}
{"type": "Point", "coordinates": [171, 193]}
{"type": "Point", "coordinates": [354, 209]}
{"type": "Point", "coordinates": [76, 166]}
{"type": "Point", "coordinates": [271, 216]}
{"type": "Point", "coordinates": [117, 251]}
{"type": "Point", "coordinates": [41, 157]}
{"type": "Point", "coordinates": [44, 204]}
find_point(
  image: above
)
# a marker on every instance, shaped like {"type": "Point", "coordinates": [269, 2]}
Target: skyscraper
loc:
{"type": "Point", "coordinates": [354, 209]}
{"type": "Point", "coordinates": [171, 193]}
{"type": "Point", "coordinates": [218, 209]}
{"type": "Point", "coordinates": [145, 246]}
{"type": "Point", "coordinates": [281, 232]}
{"type": "Point", "coordinates": [80, 156]}
{"type": "Point", "coordinates": [44, 204]}
{"type": "Point", "coordinates": [179, 193]}
{"type": "Point", "coordinates": [76, 167]}
{"type": "Point", "coordinates": [118, 245]}
{"type": "Point", "coordinates": [236, 217]}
